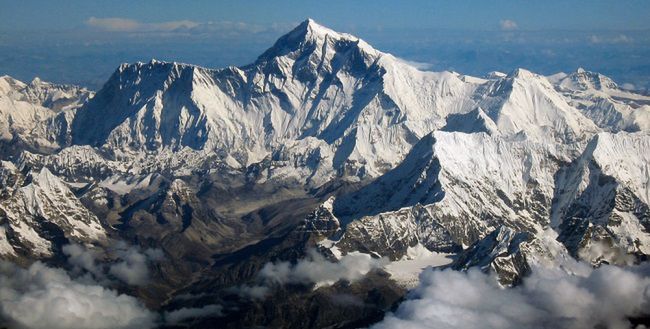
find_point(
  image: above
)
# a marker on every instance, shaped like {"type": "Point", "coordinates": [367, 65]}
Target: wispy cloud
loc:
{"type": "Point", "coordinates": [508, 25]}
{"type": "Point", "coordinates": [418, 65]}
{"type": "Point", "coordinates": [130, 264]}
{"type": "Point", "coordinates": [178, 316]}
{"type": "Point", "coordinates": [119, 24]}
{"type": "Point", "coordinates": [598, 39]}
{"type": "Point", "coordinates": [313, 270]}
{"type": "Point", "coordinates": [316, 269]}
{"type": "Point", "coordinates": [126, 25]}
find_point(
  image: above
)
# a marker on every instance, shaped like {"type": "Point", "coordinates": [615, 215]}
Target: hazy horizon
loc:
{"type": "Point", "coordinates": [84, 42]}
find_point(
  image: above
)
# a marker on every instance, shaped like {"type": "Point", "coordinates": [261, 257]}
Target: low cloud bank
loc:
{"type": "Point", "coordinates": [178, 316]}
{"type": "Point", "coordinates": [232, 28]}
{"type": "Point", "coordinates": [508, 25]}
{"type": "Point", "coordinates": [314, 269]}
{"type": "Point", "coordinates": [549, 298]}
{"type": "Point", "coordinates": [43, 297]}
{"type": "Point", "coordinates": [119, 24]}
{"type": "Point", "coordinates": [130, 264]}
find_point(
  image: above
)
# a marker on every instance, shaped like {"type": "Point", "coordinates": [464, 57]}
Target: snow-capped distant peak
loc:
{"type": "Point", "coordinates": [582, 79]}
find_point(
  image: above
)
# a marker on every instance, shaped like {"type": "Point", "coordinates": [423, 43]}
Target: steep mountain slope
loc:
{"type": "Point", "coordinates": [44, 213]}
{"type": "Point", "coordinates": [511, 254]}
{"type": "Point", "coordinates": [454, 188]}
{"type": "Point", "coordinates": [602, 201]}
{"type": "Point", "coordinates": [332, 92]}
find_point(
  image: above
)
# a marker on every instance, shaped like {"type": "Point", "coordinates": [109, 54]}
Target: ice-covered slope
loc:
{"type": "Point", "coordinates": [453, 188]}
{"type": "Point", "coordinates": [331, 91]}
{"type": "Point", "coordinates": [38, 215]}
{"type": "Point", "coordinates": [602, 202]}
{"type": "Point", "coordinates": [511, 254]}
{"type": "Point", "coordinates": [316, 105]}
{"type": "Point", "coordinates": [600, 99]}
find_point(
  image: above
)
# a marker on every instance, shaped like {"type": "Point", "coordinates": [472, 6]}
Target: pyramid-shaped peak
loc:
{"type": "Point", "coordinates": [312, 24]}
{"type": "Point", "coordinates": [310, 27]}
{"type": "Point", "coordinates": [312, 34]}
{"type": "Point", "coordinates": [521, 73]}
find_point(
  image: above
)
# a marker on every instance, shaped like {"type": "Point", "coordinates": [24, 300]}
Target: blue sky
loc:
{"type": "Point", "coordinates": [473, 15]}
{"type": "Point", "coordinates": [82, 42]}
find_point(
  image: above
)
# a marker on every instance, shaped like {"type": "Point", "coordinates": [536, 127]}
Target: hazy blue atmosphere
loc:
{"type": "Point", "coordinates": [82, 42]}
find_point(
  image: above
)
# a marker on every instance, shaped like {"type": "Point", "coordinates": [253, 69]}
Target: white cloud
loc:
{"type": "Point", "coordinates": [594, 39]}
{"type": "Point", "coordinates": [83, 259]}
{"type": "Point", "coordinates": [133, 265]}
{"type": "Point", "coordinates": [617, 39]}
{"type": "Point", "coordinates": [43, 297]}
{"type": "Point", "coordinates": [508, 25]}
{"type": "Point", "coordinates": [252, 292]}
{"type": "Point", "coordinates": [628, 86]}
{"type": "Point", "coordinates": [549, 298]}
{"type": "Point", "coordinates": [118, 24]}
{"type": "Point", "coordinates": [178, 316]}
{"type": "Point", "coordinates": [418, 65]}
{"type": "Point", "coordinates": [129, 264]}
{"type": "Point", "coordinates": [113, 24]}
{"type": "Point", "coordinates": [224, 28]}
{"type": "Point", "coordinates": [316, 269]}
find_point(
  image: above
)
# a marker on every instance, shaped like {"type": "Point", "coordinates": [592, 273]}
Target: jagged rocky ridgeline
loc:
{"type": "Point", "coordinates": [327, 136]}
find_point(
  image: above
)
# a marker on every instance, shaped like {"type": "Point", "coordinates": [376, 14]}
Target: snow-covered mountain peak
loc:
{"type": "Point", "coordinates": [522, 74]}
{"type": "Point", "coordinates": [38, 92]}
{"type": "Point", "coordinates": [601, 100]}
{"type": "Point", "coordinates": [9, 84]}
{"type": "Point", "coordinates": [582, 79]}
{"type": "Point", "coordinates": [369, 107]}
{"type": "Point", "coordinates": [527, 103]}
{"type": "Point", "coordinates": [316, 30]}
{"type": "Point", "coordinates": [312, 38]}
{"type": "Point", "coordinates": [139, 90]}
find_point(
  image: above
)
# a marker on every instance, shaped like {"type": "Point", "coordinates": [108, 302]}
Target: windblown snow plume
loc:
{"type": "Point", "coordinates": [43, 297]}
{"type": "Point", "coordinates": [550, 298]}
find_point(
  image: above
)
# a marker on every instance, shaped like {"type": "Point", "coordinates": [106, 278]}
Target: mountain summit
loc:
{"type": "Point", "coordinates": [315, 90]}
